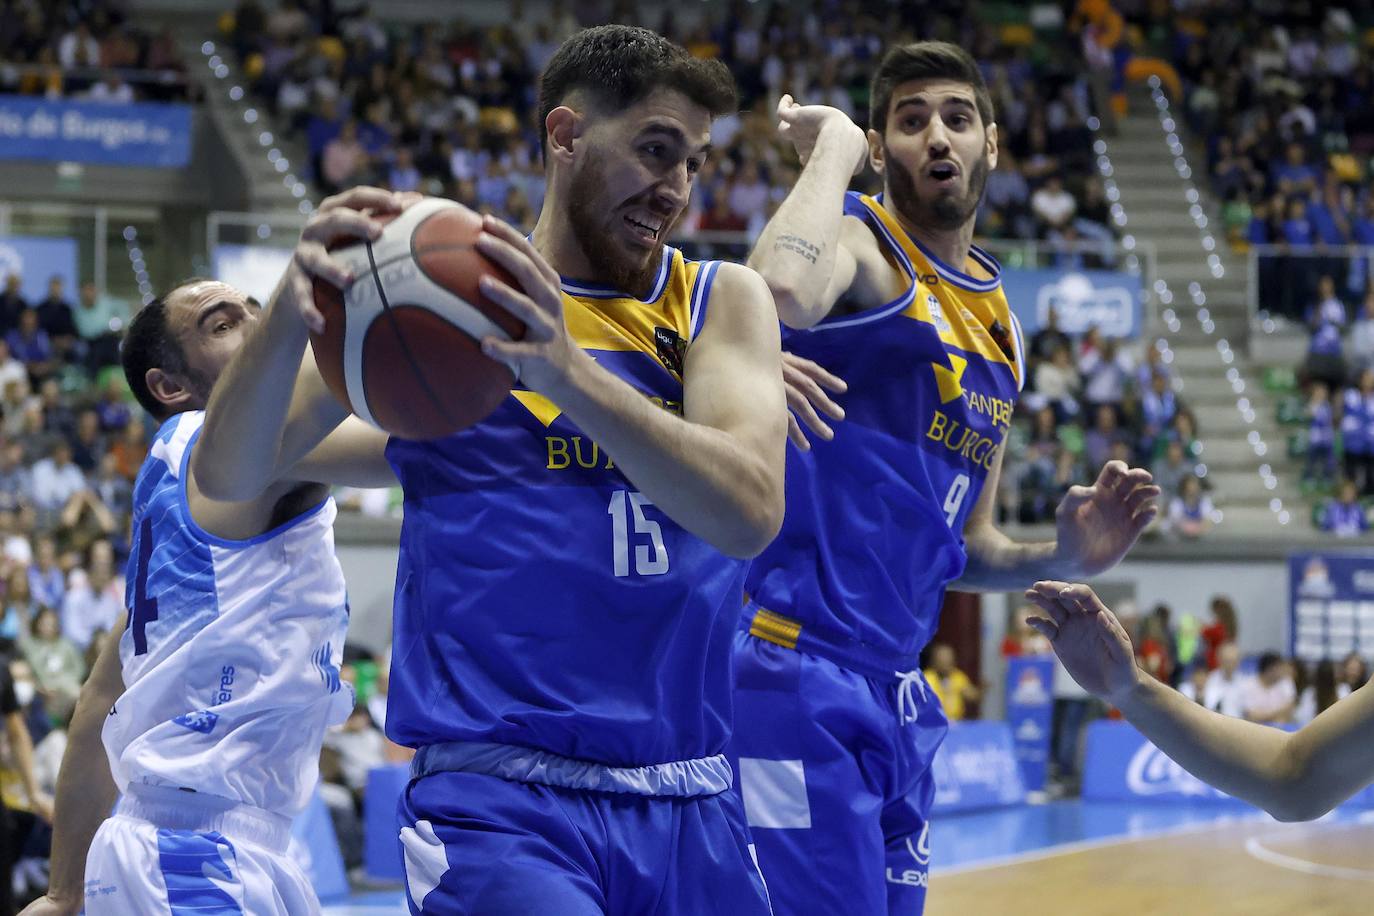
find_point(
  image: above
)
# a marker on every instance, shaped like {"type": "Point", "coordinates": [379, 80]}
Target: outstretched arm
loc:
{"type": "Point", "coordinates": [1295, 776]}
{"type": "Point", "coordinates": [259, 423]}
{"type": "Point", "coordinates": [85, 790]}
{"type": "Point", "coordinates": [718, 470]}
{"type": "Point", "coordinates": [801, 252]}
{"type": "Point", "coordinates": [1095, 527]}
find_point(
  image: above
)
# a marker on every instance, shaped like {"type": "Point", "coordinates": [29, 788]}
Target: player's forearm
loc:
{"type": "Point", "coordinates": [997, 563]}
{"type": "Point", "coordinates": [85, 794]}
{"type": "Point", "coordinates": [237, 456]}
{"type": "Point", "coordinates": [1278, 771]}
{"type": "Point", "coordinates": [795, 253]}
{"type": "Point", "coordinates": [703, 478]}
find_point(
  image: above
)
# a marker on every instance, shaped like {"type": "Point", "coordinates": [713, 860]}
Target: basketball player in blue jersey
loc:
{"type": "Point", "coordinates": [571, 567]}
{"type": "Point", "coordinates": [212, 701]}
{"type": "Point", "coordinates": [835, 726]}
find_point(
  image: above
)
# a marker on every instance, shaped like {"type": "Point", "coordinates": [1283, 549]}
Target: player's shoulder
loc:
{"type": "Point", "coordinates": [739, 287]}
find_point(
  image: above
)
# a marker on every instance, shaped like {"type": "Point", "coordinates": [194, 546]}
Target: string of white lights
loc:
{"type": "Point", "coordinates": [1128, 242]}
{"type": "Point", "coordinates": [1199, 296]}
{"type": "Point", "coordinates": [137, 264]}
{"type": "Point", "coordinates": [236, 95]}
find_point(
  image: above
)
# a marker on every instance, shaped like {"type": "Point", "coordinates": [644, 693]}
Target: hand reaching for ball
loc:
{"type": "Point", "coordinates": [349, 215]}
{"type": "Point", "coordinates": [544, 356]}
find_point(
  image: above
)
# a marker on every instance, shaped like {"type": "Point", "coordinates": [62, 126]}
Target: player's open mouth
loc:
{"type": "Point", "coordinates": [646, 230]}
{"type": "Point", "coordinates": [943, 172]}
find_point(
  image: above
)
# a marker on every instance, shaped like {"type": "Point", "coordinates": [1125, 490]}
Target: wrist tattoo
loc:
{"type": "Point", "coordinates": [799, 245]}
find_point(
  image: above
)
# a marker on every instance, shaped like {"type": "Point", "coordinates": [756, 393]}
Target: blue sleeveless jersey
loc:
{"type": "Point", "coordinates": [541, 600]}
{"type": "Point", "coordinates": [875, 518]}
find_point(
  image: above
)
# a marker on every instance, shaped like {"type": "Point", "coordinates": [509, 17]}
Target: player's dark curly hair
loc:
{"type": "Point", "coordinates": [925, 60]}
{"type": "Point", "coordinates": [149, 343]}
{"type": "Point", "coordinates": [616, 66]}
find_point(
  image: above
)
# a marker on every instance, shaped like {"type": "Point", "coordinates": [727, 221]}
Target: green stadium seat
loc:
{"type": "Point", "coordinates": [1280, 380]}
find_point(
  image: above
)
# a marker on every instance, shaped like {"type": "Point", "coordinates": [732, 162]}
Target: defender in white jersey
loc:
{"type": "Point", "coordinates": [215, 696]}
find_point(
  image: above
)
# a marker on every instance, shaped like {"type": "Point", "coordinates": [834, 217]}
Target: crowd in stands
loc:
{"type": "Point", "coordinates": [71, 444]}
{"type": "Point", "coordinates": [95, 50]}
{"type": "Point", "coordinates": [1092, 400]}
{"type": "Point", "coordinates": [1286, 109]}
{"type": "Point", "coordinates": [449, 109]}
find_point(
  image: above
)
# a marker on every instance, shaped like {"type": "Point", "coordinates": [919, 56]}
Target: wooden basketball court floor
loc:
{"type": "Point", "coordinates": [1246, 865]}
{"type": "Point", "coordinates": [1109, 859]}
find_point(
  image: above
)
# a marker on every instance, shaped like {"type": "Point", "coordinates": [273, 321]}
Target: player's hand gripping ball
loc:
{"type": "Point", "coordinates": [401, 345]}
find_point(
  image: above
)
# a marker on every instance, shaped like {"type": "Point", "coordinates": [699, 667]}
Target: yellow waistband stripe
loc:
{"type": "Point", "coordinates": [775, 628]}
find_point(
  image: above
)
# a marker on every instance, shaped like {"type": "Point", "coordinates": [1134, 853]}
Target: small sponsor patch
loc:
{"type": "Point", "coordinates": [671, 348]}
{"type": "Point", "coordinates": [202, 721]}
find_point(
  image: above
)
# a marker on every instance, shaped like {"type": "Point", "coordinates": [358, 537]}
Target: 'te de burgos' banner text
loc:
{"type": "Point", "coordinates": [146, 134]}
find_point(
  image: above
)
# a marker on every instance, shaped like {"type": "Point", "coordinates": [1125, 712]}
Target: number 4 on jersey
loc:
{"type": "Point", "coordinates": [144, 610]}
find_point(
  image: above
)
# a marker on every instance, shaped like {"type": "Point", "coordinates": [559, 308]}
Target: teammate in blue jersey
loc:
{"type": "Point", "coordinates": [571, 567]}
{"type": "Point", "coordinates": [835, 726]}
{"type": "Point", "coordinates": [212, 701]}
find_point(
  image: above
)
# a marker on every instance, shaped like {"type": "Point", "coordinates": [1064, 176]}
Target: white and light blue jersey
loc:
{"type": "Point", "coordinates": [232, 649]}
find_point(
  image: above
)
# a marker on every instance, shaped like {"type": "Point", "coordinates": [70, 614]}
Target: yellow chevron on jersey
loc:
{"type": "Point", "coordinates": [963, 306]}
{"type": "Point", "coordinates": [662, 325]}
{"type": "Point", "coordinates": [601, 318]}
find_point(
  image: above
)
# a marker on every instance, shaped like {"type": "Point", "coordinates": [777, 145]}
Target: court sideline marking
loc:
{"type": "Point", "coordinates": [1264, 854]}
{"type": "Point", "coordinates": [1064, 849]}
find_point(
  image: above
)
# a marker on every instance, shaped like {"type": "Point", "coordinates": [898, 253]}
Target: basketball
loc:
{"type": "Point", "coordinates": [401, 347]}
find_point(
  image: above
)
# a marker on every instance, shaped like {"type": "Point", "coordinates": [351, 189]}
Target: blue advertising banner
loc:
{"type": "Point", "coordinates": [1030, 706]}
{"type": "Point", "coordinates": [1331, 605]}
{"type": "Point", "coordinates": [315, 848]}
{"type": "Point", "coordinates": [38, 260]}
{"type": "Point", "coordinates": [1120, 765]}
{"type": "Point", "coordinates": [976, 767]}
{"type": "Point", "coordinates": [381, 851]}
{"type": "Point", "coordinates": [1081, 299]}
{"type": "Point", "coordinates": [148, 134]}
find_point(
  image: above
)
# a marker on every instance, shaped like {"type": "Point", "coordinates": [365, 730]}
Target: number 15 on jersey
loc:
{"type": "Point", "coordinates": [650, 554]}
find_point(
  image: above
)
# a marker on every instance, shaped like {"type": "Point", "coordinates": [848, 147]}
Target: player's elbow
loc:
{"type": "Point", "coordinates": [798, 306]}
{"type": "Point", "coordinates": [1291, 804]}
{"type": "Point", "coordinates": [798, 310]}
{"type": "Point", "coordinates": [1295, 792]}
{"type": "Point", "coordinates": [757, 523]}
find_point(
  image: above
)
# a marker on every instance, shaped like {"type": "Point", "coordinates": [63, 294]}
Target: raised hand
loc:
{"type": "Point", "coordinates": [806, 384]}
{"type": "Point", "coordinates": [803, 125]}
{"type": "Point", "coordinates": [1097, 525]}
{"type": "Point", "coordinates": [345, 216]}
{"type": "Point", "coordinates": [1086, 636]}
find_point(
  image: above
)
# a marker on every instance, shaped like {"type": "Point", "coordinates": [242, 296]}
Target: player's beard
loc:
{"type": "Point", "coordinates": [946, 212]}
{"type": "Point", "coordinates": [612, 264]}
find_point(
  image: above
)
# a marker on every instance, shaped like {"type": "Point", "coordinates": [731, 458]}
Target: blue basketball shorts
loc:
{"type": "Point", "coordinates": [834, 772]}
{"type": "Point", "coordinates": [473, 842]}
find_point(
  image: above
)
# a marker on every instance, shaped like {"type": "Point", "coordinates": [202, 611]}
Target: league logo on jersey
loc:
{"type": "Point", "coordinates": [671, 349]}
{"type": "Point", "coordinates": [937, 315]}
{"type": "Point", "coordinates": [202, 721]}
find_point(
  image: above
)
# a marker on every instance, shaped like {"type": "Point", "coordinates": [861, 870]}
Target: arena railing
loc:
{"type": "Point", "coordinates": [99, 233]}
{"type": "Point", "coordinates": [279, 230]}
{"type": "Point", "coordinates": [1281, 280]}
